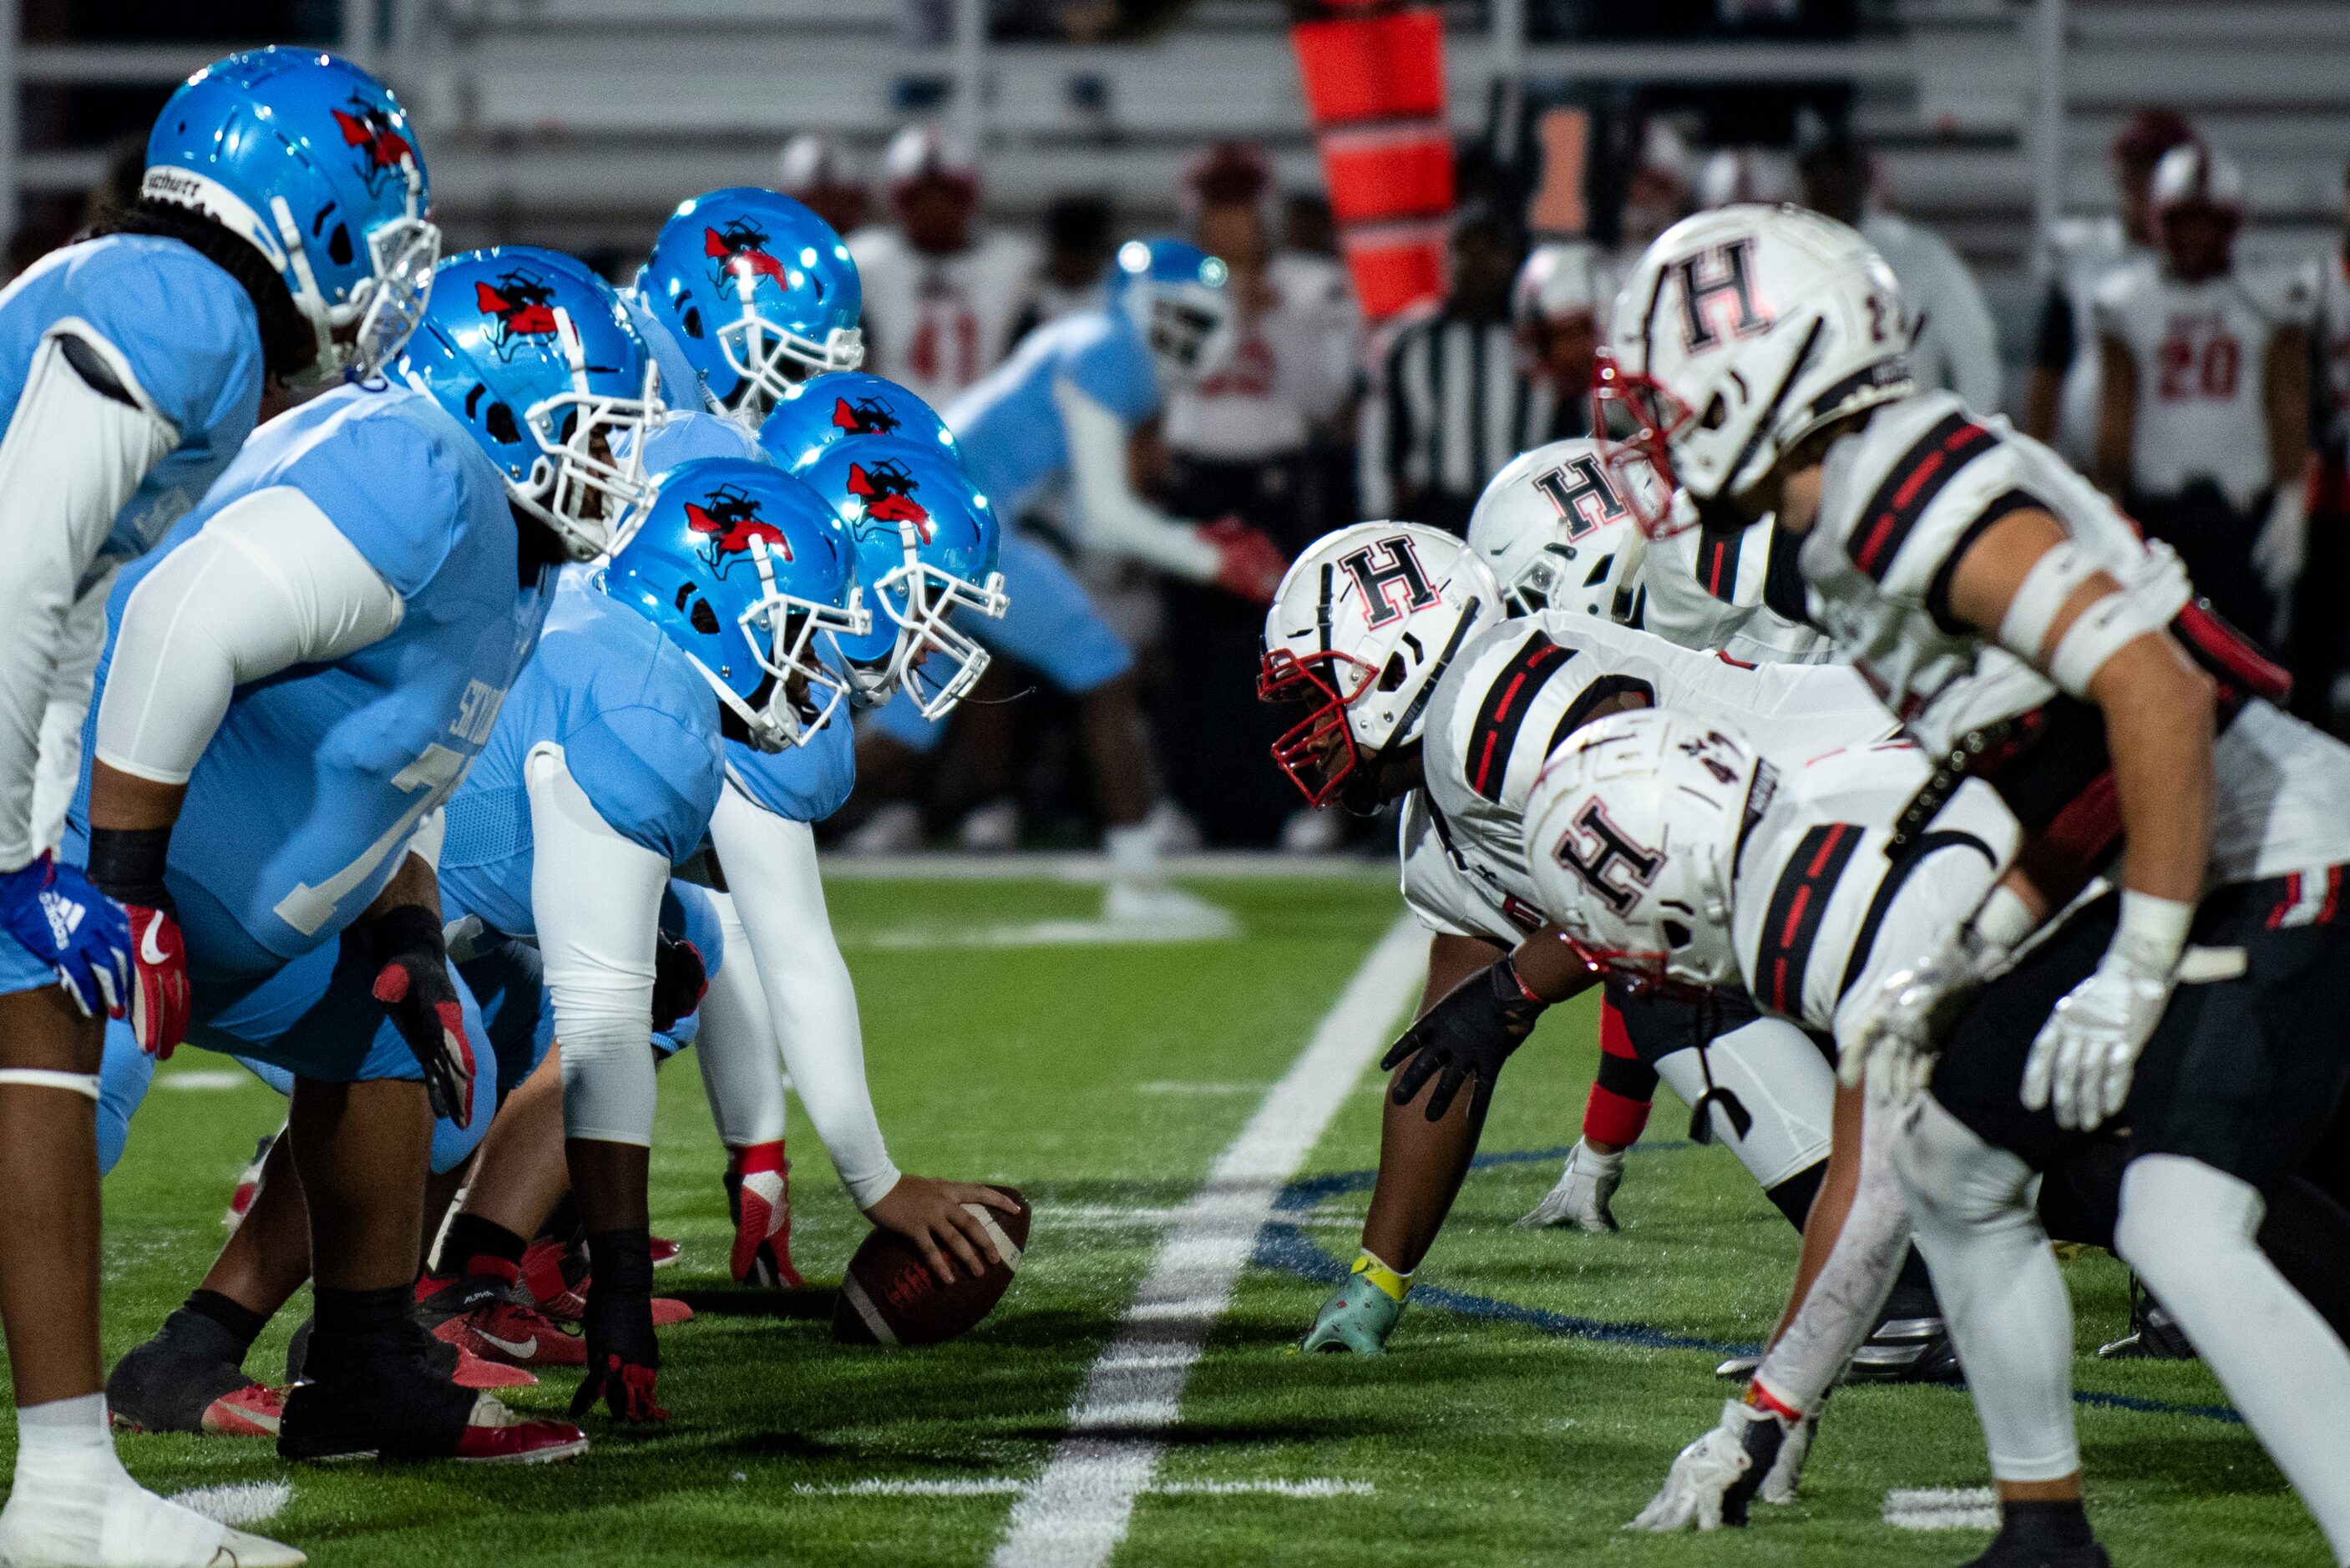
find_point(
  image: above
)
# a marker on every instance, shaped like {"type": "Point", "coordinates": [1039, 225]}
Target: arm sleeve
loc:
{"type": "Point", "coordinates": [771, 864]}
{"type": "Point", "coordinates": [596, 897]}
{"type": "Point", "coordinates": [73, 456]}
{"type": "Point", "coordinates": [1115, 519]}
{"type": "Point", "coordinates": [2053, 340]}
{"type": "Point", "coordinates": [266, 584]}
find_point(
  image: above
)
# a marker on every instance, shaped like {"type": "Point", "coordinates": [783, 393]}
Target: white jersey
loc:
{"type": "Point", "coordinates": [1901, 499]}
{"type": "Point", "coordinates": [935, 323]}
{"type": "Point", "coordinates": [2331, 287]}
{"type": "Point", "coordinates": [1823, 908]}
{"type": "Point", "coordinates": [2083, 254]}
{"type": "Point", "coordinates": [1953, 345]}
{"type": "Point", "coordinates": [1741, 593]}
{"type": "Point", "coordinates": [1290, 370]}
{"type": "Point", "coordinates": [1515, 692]}
{"type": "Point", "coordinates": [2200, 350]}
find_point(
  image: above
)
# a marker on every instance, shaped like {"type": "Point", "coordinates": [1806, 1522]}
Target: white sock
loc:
{"type": "Point", "coordinates": [65, 1469]}
{"type": "Point", "coordinates": [1133, 851]}
{"type": "Point", "coordinates": [2188, 1229]}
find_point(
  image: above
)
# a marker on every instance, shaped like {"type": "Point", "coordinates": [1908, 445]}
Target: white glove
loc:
{"type": "Point", "coordinates": [1897, 1036]}
{"type": "Point", "coordinates": [1714, 1478]}
{"type": "Point", "coordinates": [1584, 1187]}
{"type": "Point", "coordinates": [2083, 1059]}
{"type": "Point", "coordinates": [2279, 548]}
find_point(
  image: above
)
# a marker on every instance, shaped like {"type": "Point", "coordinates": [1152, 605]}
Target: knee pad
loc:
{"type": "Point", "coordinates": [1786, 1085]}
{"type": "Point", "coordinates": [1952, 1174]}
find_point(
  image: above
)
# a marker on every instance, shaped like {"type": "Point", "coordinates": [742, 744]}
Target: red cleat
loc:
{"type": "Point", "coordinates": [248, 1186]}
{"type": "Point", "coordinates": [665, 1252]}
{"type": "Point", "coordinates": [479, 1372]}
{"type": "Point", "coordinates": [668, 1310]}
{"type": "Point", "coordinates": [487, 1317]}
{"type": "Point", "coordinates": [252, 1411]}
{"type": "Point", "coordinates": [497, 1435]}
{"type": "Point", "coordinates": [759, 1190]}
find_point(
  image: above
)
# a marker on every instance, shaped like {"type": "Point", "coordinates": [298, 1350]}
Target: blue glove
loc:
{"type": "Point", "coordinates": [59, 917]}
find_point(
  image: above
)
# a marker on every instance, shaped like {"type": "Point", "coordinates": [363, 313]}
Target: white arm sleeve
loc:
{"type": "Point", "coordinates": [771, 864]}
{"type": "Point", "coordinates": [597, 898]}
{"type": "Point", "coordinates": [1114, 518]}
{"type": "Point", "coordinates": [72, 457]}
{"type": "Point", "coordinates": [266, 584]}
{"type": "Point", "coordinates": [60, 771]}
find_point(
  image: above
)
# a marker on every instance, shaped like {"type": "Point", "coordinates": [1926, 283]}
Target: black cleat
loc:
{"type": "Point", "coordinates": [190, 1379]}
{"type": "Point", "coordinates": [2154, 1336]}
{"type": "Point", "coordinates": [2008, 1555]}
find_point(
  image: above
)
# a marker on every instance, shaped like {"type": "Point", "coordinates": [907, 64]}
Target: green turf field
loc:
{"type": "Point", "coordinates": [1521, 1418]}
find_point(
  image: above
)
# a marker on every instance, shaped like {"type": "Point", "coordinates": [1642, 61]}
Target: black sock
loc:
{"type": "Point", "coordinates": [620, 1300]}
{"type": "Point", "coordinates": [364, 1315]}
{"type": "Point", "coordinates": [1794, 1195]}
{"type": "Point", "coordinates": [563, 1223]}
{"type": "Point", "coordinates": [469, 1237]}
{"type": "Point", "coordinates": [240, 1322]}
{"type": "Point", "coordinates": [2058, 1526]}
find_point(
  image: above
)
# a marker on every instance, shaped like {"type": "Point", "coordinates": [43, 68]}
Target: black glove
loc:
{"type": "Point", "coordinates": [679, 979]}
{"type": "Point", "coordinates": [411, 981]}
{"type": "Point", "coordinates": [623, 1356]}
{"type": "Point", "coordinates": [1469, 1033]}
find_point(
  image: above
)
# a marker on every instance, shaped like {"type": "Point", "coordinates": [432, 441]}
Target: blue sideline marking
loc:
{"type": "Point", "coordinates": [1287, 1248]}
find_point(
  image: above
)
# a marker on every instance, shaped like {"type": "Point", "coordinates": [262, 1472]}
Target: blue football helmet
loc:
{"type": "Point", "coordinates": [758, 291]}
{"type": "Point", "coordinates": [926, 543]}
{"type": "Point", "coordinates": [1174, 292]}
{"type": "Point", "coordinates": [311, 160]}
{"type": "Point", "coordinates": [536, 356]}
{"type": "Point", "coordinates": [822, 409]}
{"type": "Point", "coordinates": [746, 568]}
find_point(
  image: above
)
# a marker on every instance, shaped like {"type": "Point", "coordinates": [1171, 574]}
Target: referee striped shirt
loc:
{"type": "Point", "coordinates": [1450, 405]}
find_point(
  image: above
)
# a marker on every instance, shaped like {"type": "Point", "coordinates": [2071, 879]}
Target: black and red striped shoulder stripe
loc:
{"type": "Point", "coordinates": [1797, 906]}
{"type": "Point", "coordinates": [1910, 487]}
{"type": "Point", "coordinates": [1507, 702]}
{"type": "Point", "coordinates": [1717, 564]}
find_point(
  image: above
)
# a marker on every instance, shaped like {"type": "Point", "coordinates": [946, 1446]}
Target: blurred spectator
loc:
{"type": "Point", "coordinates": [1307, 227]}
{"type": "Point", "coordinates": [1079, 231]}
{"type": "Point", "coordinates": [126, 169]}
{"type": "Point", "coordinates": [1747, 174]}
{"type": "Point", "coordinates": [1238, 443]}
{"type": "Point", "coordinates": [941, 295]}
{"type": "Point", "coordinates": [2203, 427]}
{"type": "Point", "coordinates": [2060, 407]}
{"type": "Point", "coordinates": [1560, 305]}
{"type": "Point", "coordinates": [2321, 633]}
{"type": "Point", "coordinates": [819, 172]}
{"type": "Point", "coordinates": [1657, 194]}
{"type": "Point", "coordinates": [1451, 401]}
{"type": "Point", "coordinates": [1953, 344]}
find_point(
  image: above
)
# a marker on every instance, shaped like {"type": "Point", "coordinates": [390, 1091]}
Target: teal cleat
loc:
{"type": "Point", "coordinates": [1356, 1319]}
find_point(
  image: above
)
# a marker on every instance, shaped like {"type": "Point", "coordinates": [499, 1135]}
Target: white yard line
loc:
{"type": "Point", "coordinates": [1943, 1508]}
{"type": "Point", "coordinates": [1008, 1486]}
{"type": "Point", "coordinates": [1074, 1514]}
{"type": "Point", "coordinates": [1051, 866]}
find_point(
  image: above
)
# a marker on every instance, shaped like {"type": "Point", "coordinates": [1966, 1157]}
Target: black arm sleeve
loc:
{"type": "Point", "coordinates": [2055, 341]}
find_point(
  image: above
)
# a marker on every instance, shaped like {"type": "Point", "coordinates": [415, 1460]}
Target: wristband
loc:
{"type": "Point", "coordinates": [2152, 933]}
{"type": "Point", "coordinates": [126, 864]}
{"type": "Point", "coordinates": [1508, 967]}
{"type": "Point", "coordinates": [1761, 1398]}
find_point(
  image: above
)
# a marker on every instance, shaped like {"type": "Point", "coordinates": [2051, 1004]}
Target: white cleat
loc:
{"type": "Point", "coordinates": [990, 829]}
{"type": "Point", "coordinates": [1167, 913]}
{"type": "Point", "coordinates": [133, 1528]}
{"type": "Point", "coordinates": [895, 829]}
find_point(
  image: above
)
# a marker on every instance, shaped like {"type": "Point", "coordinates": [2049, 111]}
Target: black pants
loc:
{"type": "Point", "coordinates": [2215, 541]}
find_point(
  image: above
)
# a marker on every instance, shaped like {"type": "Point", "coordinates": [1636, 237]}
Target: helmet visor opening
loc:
{"type": "Point", "coordinates": [1318, 752]}
{"type": "Point", "coordinates": [1634, 419]}
{"type": "Point", "coordinates": [590, 484]}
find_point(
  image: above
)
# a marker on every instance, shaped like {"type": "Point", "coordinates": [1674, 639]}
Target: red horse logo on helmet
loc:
{"type": "Point", "coordinates": [520, 305]}
{"type": "Point", "coordinates": [727, 520]}
{"type": "Point", "coordinates": [887, 491]}
{"type": "Point", "coordinates": [384, 152]}
{"type": "Point", "coordinates": [738, 246]}
{"type": "Point", "coordinates": [864, 416]}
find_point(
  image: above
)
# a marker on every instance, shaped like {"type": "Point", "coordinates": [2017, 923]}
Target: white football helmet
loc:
{"type": "Point", "coordinates": [1557, 534]}
{"type": "Point", "coordinates": [1631, 838]}
{"type": "Point", "coordinates": [2194, 175]}
{"type": "Point", "coordinates": [1559, 280]}
{"type": "Point", "coordinates": [1741, 331]}
{"type": "Point", "coordinates": [1364, 625]}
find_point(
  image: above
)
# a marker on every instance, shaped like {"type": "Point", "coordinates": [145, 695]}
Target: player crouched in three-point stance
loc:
{"type": "Point", "coordinates": [136, 363]}
{"type": "Point", "coordinates": [2026, 636]}
{"type": "Point", "coordinates": [1423, 689]}
{"type": "Point", "coordinates": [1678, 857]}
{"type": "Point", "coordinates": [411, 526]}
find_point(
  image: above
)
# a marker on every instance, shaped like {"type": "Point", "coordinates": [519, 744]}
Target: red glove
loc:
{"type": "Point", "coordinates": [160, 995]}
{"type": "Point", "coordinates": [411, 981]}
{"type": "Point", "coordinates": [1247, 563]}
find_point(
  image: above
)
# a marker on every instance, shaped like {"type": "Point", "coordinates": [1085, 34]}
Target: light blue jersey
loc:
{"type": "Point", "coordinates": [1009, 428]}
{"type": "Point", "coordinates": [638, 728]}
{"type": "Point", "coordinates": [681, 385]}
{"type": "Point", "coordinates": [689, 435]}
{"type": "Point", "coordinates": [187, 330]}
{"type": "Point", "coordinates": [317, 777]}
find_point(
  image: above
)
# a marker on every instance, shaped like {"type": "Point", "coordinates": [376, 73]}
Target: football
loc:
{"type": "Point", "coordinates": [890, 1297]}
